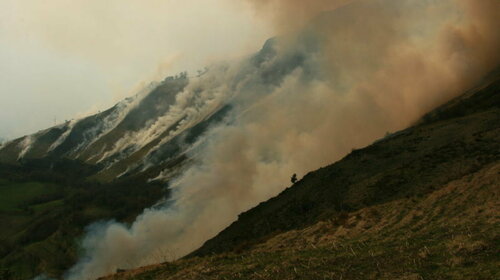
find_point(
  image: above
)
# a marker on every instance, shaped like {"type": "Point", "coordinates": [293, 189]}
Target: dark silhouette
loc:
{"type": "Point", "coordinates": [294, 178]}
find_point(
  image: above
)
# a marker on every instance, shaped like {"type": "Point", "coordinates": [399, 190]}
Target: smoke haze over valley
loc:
{"type": "Point", "coordinates": [225, 138]}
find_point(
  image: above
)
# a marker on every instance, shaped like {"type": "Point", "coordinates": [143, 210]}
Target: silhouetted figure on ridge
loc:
{"type": "Point", "coordinates": [294, 178]}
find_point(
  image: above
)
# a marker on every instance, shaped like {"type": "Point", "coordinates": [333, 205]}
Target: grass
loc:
{"type": "Point", "coordinates": [47, 206]}
{"type": "Point", "coordinates": [43, 214]}
{"type": "Point", "coordinates": [411, 238]}
{"type": "Point", "coordinates": [415, 257]}
{"type": "Point", "coordinates": [13, 196]}
{"type": "Point", "coordinates": [22, 205]}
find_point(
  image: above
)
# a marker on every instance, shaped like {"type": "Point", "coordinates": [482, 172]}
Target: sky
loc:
{"type": "Point", "coordinates": [67, 59]}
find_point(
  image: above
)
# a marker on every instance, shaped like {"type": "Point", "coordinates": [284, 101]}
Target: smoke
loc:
{"type": "Point", "coordinates": [376, 66]}
{"type": "Point", "coordinates": [25, 145]}
{"type": "Point", "coordinates": [291, 15]}
{"type": "Point", "coordinates": [191, 106]}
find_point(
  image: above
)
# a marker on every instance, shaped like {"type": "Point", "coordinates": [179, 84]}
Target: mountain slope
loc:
{"type": "Point", "coordinates": [229, 137]}
{"type": "Point", "coordinates": [157, 126]}
{"type": "Point", "coordinates": [460, 140]}
{"type": "Point", "coordinates": [420, 203]}
{"type": "Point", "coordinates": [114, 164]}
{"type": "Point", "coordinates": [110, 137]}
{"type": "Point", "coordinates": [452, 233]}
{"type": "Point", "coordinates": [46, 206]}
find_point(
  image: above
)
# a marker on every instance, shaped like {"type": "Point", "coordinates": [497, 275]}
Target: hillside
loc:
{"type": "Point", "coordinates": [154, 177]}
{"type": "Point", "coordinates": [421, 203]}
{"type": "Point", "coordinates": [44, 208]}
{"type": "Point", "coordinates": [147, 133]}
{"type": "Point", "coordinates": [116, 163]}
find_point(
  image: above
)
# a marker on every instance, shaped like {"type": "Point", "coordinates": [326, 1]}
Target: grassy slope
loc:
{"type": "Point", "coordinates": [27, 211]}
{"type": "Point", "coordinates": [413, 162]}
{"type": "Point", "coordinates": [14, 195]}
{"type": "Point", "coordinates": [451, 233]}
{"type": "Point", "coordinates": [420, 204]}
{"type": "Point", "coordinates": [43, 213]}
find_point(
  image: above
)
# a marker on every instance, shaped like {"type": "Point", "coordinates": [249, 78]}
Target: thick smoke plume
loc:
{"type": "Point", "coordinates": [290, 15]}
{"type": "Point", "coordinates": [376, 66]}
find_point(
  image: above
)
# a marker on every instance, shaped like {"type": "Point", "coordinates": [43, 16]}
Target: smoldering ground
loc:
{"type": "Point", "coordinates": [377, 66]}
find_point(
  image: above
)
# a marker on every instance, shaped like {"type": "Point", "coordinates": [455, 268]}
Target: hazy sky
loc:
{"type": "Point", "coordinates": [63, 59]}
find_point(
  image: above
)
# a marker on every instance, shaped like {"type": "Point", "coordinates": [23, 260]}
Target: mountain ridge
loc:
{"type": "Point", "coordinates": [150, 128]}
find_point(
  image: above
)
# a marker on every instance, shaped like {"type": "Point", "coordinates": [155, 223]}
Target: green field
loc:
{"type": "Point", "coordinates": [43, 214]}
{"type": "Point", "coordinates": [16, 196]}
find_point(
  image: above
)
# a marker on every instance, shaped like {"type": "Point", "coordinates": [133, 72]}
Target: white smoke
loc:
{"type": "Point", "coordinates": [68, 126]}
{"type": "Point", "coordinates": [197, 101]}
{"type": "Point", "coordinates": [25, 145]}
{"type": "Point", "coordinates": [416, 57]}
